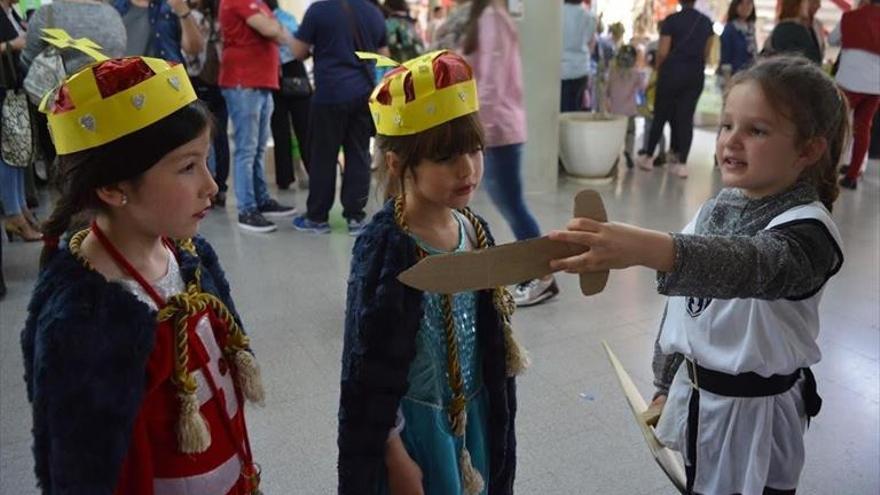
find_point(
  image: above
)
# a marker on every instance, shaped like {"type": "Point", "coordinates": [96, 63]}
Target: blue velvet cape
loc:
{"type": "Point", "coordinates": [382, 320]}
{"type": "Point", "coordinates": [86, 344]}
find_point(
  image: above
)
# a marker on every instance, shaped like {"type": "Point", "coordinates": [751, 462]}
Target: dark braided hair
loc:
{"type": "Point", "coordinates": [125, 159]}
{"type": "Point", "coordinates": [811, 100]}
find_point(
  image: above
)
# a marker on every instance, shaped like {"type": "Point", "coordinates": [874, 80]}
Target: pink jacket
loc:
{"type": "Point", "coordinates": [621, 90]}
{"type": "Point", "coordinates": [498, 70]}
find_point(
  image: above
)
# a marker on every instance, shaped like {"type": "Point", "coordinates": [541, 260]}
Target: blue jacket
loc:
{"type": "Point", "coordinates": [381, 322]}
{"type": "Point", "coordinates": [166, 29]}
{"type": "Point", "coordinates": [86, 343]}
{"type": "Point", "coordinates": [735, 49]}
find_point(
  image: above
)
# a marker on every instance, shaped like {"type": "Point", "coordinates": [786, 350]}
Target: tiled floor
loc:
{"type": "Point", "coordinates": [576, 435]}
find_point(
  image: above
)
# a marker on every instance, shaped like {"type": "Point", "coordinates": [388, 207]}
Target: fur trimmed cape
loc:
{"type": "Point", "coordinates": [86, 344]}
{"type": "Point", "coordinates": [382, 319]}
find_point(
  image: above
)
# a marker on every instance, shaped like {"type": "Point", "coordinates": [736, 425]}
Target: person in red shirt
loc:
{"type": "Point", "coordinates": [248, 74]}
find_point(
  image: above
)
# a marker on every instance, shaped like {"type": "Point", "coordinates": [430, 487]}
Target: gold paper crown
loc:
{"type": "Point", "coordinates": [430, 107]}
{"type": "Point", "coordinates": [95, 120]}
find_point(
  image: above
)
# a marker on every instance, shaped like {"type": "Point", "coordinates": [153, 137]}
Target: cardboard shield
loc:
{"type": "Point", "coordinates": [666, 459]}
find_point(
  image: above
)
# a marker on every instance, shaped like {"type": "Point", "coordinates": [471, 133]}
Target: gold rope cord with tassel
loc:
{"type": "Point", "coordinates": [193, 435]}
{"type": "Point", "coordinates": [516, 357]}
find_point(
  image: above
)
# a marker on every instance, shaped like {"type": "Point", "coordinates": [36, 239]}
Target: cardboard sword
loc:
{"type": "Point", "coordinates": [506, 264]}
{"type": "Point", "coordinates": [665, 458]}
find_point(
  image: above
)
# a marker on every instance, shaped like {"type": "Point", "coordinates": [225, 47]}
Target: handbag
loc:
{"type": "Point", "coordinates": [47, 69]}
{"type": "Point", "coordinates": [17, 147]}
{"type": "Point", "coordinates": [296, 87]}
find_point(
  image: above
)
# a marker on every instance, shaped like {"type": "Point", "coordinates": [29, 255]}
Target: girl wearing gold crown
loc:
{"type": "Point", "coordinates": [135, 361]}
{"type": "Point", "coordinates": [423, 373]}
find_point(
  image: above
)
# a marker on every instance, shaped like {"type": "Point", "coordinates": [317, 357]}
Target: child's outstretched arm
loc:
{"type": "Point", "coordinates": [791, 260]}
{"type": "Point", "coordinates": [614, 246]}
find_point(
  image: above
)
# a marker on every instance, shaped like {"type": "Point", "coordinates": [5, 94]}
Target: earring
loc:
{"type": "Point", "coordinates": [124, 199]}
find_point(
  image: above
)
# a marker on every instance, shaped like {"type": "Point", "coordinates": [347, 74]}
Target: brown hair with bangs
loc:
{"type": "Point", "coordinates": [448, 140]}
{"type": "Point", "coordinates": [805, 95]}
{"type": "Point", "coordinates": [439, 143]}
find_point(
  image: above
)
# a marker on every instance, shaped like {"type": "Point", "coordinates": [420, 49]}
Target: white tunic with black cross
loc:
{"type": "Point", "coordinates": [745, 299]}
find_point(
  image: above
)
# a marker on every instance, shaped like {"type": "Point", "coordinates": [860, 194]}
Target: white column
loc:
{"type": "Point", "coordinates": [540, 31]}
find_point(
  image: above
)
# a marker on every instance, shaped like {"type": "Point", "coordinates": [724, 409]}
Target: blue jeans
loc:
{"type": "Point", "coordinates": [12, 189]}
{"type": "Point", "coordinates": [250, 111]}
{"type": "Point", "coordinates": [503, 180]}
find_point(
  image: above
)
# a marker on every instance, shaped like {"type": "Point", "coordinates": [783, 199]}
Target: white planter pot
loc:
{"type": "Point", "coordinates": [589, 143]}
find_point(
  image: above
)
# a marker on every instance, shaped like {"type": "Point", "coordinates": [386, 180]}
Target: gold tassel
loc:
{"type": "Point", "coordinates": [249, 377]}
{"type": "Point", "coordinates": [471, 478]}
{"type": "Point", "coordinates": [193, 436]}
{"type": "Point", "coordinates": [517, 356]}
{"type": "Point", "coordinates": [459, 423]}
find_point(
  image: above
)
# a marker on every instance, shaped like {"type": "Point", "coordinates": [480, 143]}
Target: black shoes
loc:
{"type": "Point", "coordinates": [254, 221]}
{"type": "Point", "coordinates": [848, 183]}
{"type": "Point", "coordinates": [273, 208]}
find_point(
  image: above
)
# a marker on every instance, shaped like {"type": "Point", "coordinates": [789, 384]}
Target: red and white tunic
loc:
{"type": "Point", "coordinates": [154, 464]}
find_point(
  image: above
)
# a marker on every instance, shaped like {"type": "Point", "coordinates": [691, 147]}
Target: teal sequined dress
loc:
{"type": "Point", "coordinates": [427, 434]}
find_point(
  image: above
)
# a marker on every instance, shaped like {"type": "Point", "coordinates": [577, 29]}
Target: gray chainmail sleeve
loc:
{"type": "Point", "coordinates": [732, 255]}
{"type": "Point", "coordinates": [664, 365]}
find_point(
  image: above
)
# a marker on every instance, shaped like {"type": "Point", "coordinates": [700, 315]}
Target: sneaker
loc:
{"type": "Point", "coordinates": [534, 292]}
{"type": "Point", "coordinates": [680, 170]}
{"type": "Point", "coordinates": [848, 183]}
{"type": "Point", "coordinates": [355, 227]}
{"type": "Point", "coordinates": [253, 221]}
{"type": "Point", "coordinates": [273, 208]}
{"type": "Point", "coordinates": [645, 162]}
{"type": "Point", "coordinates": [303, 224]}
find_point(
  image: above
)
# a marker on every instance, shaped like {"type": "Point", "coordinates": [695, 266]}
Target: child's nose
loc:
{"type": "Point", "coordinates": [466, 165]}
{"type": "Point", "coordinates": [733, 139]}
{"type": "Point", "coordinates": [210, 187]}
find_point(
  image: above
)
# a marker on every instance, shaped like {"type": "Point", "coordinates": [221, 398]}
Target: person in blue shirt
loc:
{"type": "Point", "coordinates": [738, 46]}
{"type": "Point", "coordinates": [160, 28]}
{"type": "Point", "coordinates": [332, 31]}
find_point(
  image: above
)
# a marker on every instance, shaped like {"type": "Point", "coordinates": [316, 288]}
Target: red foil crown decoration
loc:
{"type": "Point", "coordinates": [449, 70]}
{"type": "Point", "coordinates": [111, 76]}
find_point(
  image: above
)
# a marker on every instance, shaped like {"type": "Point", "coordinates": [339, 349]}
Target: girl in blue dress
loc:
{"type": "Point", "coordinates": [423, 373]}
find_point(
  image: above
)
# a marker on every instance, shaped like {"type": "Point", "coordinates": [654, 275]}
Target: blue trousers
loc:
{"type": "Point", "coordinates": [250, 110]}
{"type": "Point", "coordinates": [503, 180]}
{"type": "Point", "coordinates": [12, 193]}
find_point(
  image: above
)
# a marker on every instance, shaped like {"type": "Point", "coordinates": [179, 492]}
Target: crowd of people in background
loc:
{"type": "Point", "coordinates": [264, 73]}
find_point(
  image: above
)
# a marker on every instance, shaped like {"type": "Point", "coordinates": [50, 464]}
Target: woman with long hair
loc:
{"type": "Point", "coordinates": [793, 33]}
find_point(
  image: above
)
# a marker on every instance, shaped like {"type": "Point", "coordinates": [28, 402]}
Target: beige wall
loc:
{"type": "Point", "coordinates": [540, 31]}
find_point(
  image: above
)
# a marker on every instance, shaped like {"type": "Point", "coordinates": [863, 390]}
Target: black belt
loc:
{"type": "Point", "coordinates": [741, 385]}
